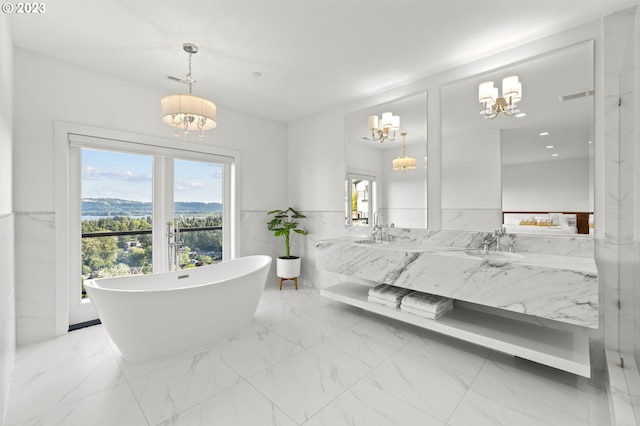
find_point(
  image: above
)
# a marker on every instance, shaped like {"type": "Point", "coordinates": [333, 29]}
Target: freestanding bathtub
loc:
{"type": "Point", "coordinates": [150, 317]}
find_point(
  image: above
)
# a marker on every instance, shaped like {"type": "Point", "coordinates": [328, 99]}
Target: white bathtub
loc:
{"type": "Point", "coordinates": [155, 316]}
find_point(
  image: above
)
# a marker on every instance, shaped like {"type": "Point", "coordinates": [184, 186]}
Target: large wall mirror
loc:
{"type": "Point", "coordinates": [371, 183]}
{"type": "Point", "coordinates": [532, 172]}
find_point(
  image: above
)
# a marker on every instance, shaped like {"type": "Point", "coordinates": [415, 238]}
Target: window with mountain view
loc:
{"type": "Point", "coordinates": [116, 213]}
{"type": "Point", "coordinates": [197, 194]}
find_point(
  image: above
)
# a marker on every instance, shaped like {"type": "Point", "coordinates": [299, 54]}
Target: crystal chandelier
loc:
{"type": "Point", "coordinates": [188, 112]}
{"type": "Point", "coordinates": [404, 163]}
{"type": "Point", "coordinates": [492, 104]}
{"type": "Point", "coordinates": [384, 129]}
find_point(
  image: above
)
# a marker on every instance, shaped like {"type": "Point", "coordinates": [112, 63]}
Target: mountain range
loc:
{"type": "Point", "coordinates": [119, 207]}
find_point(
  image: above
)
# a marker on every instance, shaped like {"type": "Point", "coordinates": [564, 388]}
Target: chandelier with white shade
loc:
{"type": "Point", "coordinates": [404, 163]}
{"type": "Point", "coordinates": [384, 129]}
{"type": "Point", "coordinates": [188, 112]}
{"type": "Point", "coordinates": [492, 104]}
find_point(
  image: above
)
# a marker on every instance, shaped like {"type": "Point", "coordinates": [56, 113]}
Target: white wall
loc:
{"type": "Point", "coordinates": [48, 90]}
{"type": "Point", "coordinates": [554, 186]}
{"type": "Point", "coordinates": [7, 292]}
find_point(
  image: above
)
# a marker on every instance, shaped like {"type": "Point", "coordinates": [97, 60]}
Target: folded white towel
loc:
{"type": "Point", "coordinates": [389, 292]}
{"type": "Point", "coordinates": [427, 302]}
{"type": "Point", "coordinates": [384, 302]}
{"type": "Point", "coordinates": [424, 314]}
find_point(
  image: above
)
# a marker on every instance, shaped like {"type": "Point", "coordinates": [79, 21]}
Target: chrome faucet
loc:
{"type": "Point", "coordinates": [494, 238]}
{"type": "Point", "coordinates": [174, 242]}
{"type": "Point", "coordinates": [377, 228]}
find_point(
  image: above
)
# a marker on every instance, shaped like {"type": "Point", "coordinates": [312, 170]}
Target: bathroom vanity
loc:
{"type": "Point", "coordinates": [505, 300]}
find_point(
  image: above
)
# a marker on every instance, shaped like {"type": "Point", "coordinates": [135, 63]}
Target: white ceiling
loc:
{"type": "Point", "coordinates": [313, 55]}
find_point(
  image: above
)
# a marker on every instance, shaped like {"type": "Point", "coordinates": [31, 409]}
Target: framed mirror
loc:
{"type": "Point", "coordinates": [400, 195]}
{"type": "Point", "coordinates": [532, 171]}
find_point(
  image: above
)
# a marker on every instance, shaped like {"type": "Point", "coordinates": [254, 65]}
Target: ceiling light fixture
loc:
{"type": "Point", "coordinates": [544, 133]}
{"type": "Point", "coordinates": [492, 104]}
{"type": "Point", "coordinates": [550, 146]}
{"type": "Point", "coordinates": [188, 112]}
{"type": "Point", "coordinates": [404, 163]}
{"type": "Point", "coordinates": [385, 128]}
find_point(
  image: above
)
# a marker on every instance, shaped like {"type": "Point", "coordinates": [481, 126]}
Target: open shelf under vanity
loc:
{"type": "Point", "coordinates": [560, 349]}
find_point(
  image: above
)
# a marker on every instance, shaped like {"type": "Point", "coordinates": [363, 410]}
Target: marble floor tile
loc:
{"type": "Point", "coordinates": [174, 388]}
{"type": "Point", "coordinates": [318, 324]}
{"type": "Point", "coordinates": [276, 307]}
{"type": "Point", "coordinates": [53, 388]}
{"type": "Point", "coordinates": [240, 405]}
{"type": "Point", "coordinates": [535, 395]}
{"type": "Point", "coordinates": [132, 370]}
{"type": "Point", "coordinates": [311, 362]}
{"type": "Point", "coordinates": [77, 345]}
{"type": "Point", "coordinates": [366, 405]}
{"type": "Point", "coordinates": [464, 357]}
{"type": "Point", "coordinates": [533, 384]}
{"type": "Point", "coordinates": [253, 349]}
{"type": "Point", "coordinates": [303, 384]}
{"type": "Point", "coordinates": [433, 387]}
{"type": "Point", "coordinates": [114, 406]}
{"type": "Point", "coordinates": [392, 332]}
{"type": "Point", "coordinates": [490, 410]}
{"type": "Point", "coordinates": [353, 351]}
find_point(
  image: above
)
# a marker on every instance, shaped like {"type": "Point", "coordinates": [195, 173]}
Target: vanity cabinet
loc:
{"type": "Point", "coordinates": [498, 281]}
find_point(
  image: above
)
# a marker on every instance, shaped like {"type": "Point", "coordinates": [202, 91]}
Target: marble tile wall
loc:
{"type": "Point", "coordinates": [35, 285]}
{"type": "Point", "coordinates": [549, 244]}
{"type": "Point", "coordinates": [321, 225]}
{"type": "Point", "coordinates": [7, 309]}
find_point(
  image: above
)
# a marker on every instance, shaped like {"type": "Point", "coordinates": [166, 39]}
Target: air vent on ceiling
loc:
{"type": "Point", "coordinates": [577, 95]}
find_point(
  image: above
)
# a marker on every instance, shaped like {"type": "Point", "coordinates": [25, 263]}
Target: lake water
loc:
{"type": "Point", "coordinates": [104, 217]}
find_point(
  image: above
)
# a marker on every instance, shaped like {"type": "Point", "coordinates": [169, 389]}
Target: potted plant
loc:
{"type": "Point", "coordinates": [284, 224]}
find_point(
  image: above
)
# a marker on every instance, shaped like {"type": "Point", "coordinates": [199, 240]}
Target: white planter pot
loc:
{"type": "Point", "coordinates": [288, 267]}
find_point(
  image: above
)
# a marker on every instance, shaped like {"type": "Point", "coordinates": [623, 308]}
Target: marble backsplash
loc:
{"type": "Point", "coordinates": [577, 246]}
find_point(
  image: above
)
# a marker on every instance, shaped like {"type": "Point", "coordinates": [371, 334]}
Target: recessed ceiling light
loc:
{"type": "Point", "coordinates": [520, 115]}
{"type": "Point", "coordinates": [554, 155]}
{"type": "Point", "coordinates": [590, 142]}
{"type": "Point", "coordinates": [544, 133]}
{"type": "Point", "coordinates": [550, 146]}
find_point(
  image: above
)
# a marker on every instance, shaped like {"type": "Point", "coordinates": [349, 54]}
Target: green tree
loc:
{"type": "Point", "coordinates": [98, 253]}
{"type": "Point", "coordinates": [136, 256]}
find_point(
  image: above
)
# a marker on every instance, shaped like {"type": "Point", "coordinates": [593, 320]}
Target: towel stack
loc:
{"type": "Point", "coordinates": [388, 295]}
{"type": "Point", "coordinates": [426, 305]}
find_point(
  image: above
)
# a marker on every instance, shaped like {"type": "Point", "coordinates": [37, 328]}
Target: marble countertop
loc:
{"type": "Point", "coordinates": [558, 287]}
{"type": "Point", "coordinates": [553, 261]}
